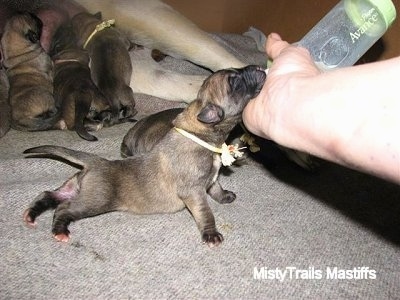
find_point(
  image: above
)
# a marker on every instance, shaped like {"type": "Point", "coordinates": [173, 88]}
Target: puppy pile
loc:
{"type": "Point", "coordinates": [58, 90]}
{"type": "Point", "coordinates": [160, 177]}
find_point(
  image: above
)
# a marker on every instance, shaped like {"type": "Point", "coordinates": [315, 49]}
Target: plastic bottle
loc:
{"type": "Point", "coordinates": [348, 31]}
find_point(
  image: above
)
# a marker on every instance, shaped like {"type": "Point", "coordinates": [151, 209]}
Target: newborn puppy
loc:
{"type": "Point", "coordinates": [30, 74]}
{"type": "Point", "coordinates": [177, 172]}
{"type": "Point", "coordinates": [83, 106]}
{"type": "Point", "coordinates": [110, 62]}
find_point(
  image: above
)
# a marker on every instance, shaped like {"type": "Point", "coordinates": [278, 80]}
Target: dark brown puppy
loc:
{"type": "Point", "coordinates": [176, 173]}
{"type": "Point", "coordinates": [83, 106]}
{"type": "Point", "coordinates": [30, 74]}
{"type": "Point", "coordinates": [110, 62]}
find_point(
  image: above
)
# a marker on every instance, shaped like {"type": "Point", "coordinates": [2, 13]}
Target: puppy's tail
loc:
{"type": "Point", "coordinates": [76, 158]}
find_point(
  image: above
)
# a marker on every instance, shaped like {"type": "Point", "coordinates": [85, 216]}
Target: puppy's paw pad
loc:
{"type": "Point", "coordinates": [62, 237]}
{"type": "Point", "coordinates": [212, 239]}
{"type": "Point", "coordinates": [29, 221]}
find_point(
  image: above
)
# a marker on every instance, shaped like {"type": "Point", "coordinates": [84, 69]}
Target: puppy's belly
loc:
{"type": "Point", "coordinates": [149, 188]}
{"type": "Point", "coordinates": [152, 205]}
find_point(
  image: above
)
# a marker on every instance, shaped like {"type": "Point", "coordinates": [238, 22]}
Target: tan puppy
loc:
{"type": "Point", "coordinates": [177, 173]}
{"type": "Point", "coordinates": [83, 106]}
{"type": "Point", "coordinates": [30, 74]}
{"type": "Point", "coordinates": [110, 63]}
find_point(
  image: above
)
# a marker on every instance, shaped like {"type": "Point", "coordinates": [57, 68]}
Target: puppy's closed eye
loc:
{"type": "Point", "coordinates": [32, 36]}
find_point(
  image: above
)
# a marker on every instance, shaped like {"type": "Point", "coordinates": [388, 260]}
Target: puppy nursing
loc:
{"type": "Point", "coordinates": [156, 25]}
{"type": "Point", "coordinates": [83, 106]}
{"type": "Point", "coordinates": [110, 63]}
{"type": "Point", "coordinates": [30, 74]}
{"type": "Point", "coordinates": [166, 178]}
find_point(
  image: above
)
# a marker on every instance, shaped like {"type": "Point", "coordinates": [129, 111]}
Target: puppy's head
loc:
{"type": "Point", "coordinates": [83, 25]}
{"type": "Point", "coordinates": [21, 31]}
{"type": "Point", "coordinates": [64, 38]}
{"type": "Point", "coordinates": [220, 102]}
{"type": "Point", "coordinates": [224, 94]}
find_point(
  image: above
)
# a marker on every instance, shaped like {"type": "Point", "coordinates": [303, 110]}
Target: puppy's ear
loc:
{"type": "Point", "coordinates": [98, 15]}
{"type": "Point", "coordinates": [211, 113]}
{"type": "Point", "coordinates": [32, 36]}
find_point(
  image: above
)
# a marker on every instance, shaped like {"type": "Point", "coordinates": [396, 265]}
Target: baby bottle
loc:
{"type": "Point", "coordinates": [348, 31]}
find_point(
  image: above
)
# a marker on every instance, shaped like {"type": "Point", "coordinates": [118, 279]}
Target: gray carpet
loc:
{"type": "Point", "coordinates": [307, 224]}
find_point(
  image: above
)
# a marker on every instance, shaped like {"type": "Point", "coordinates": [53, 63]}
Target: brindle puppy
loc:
{"type": "Point", "coordinates": [83, 106]}
{"type": "Point", "coordinates": [110, 62]}
{"type": "Point", "coordinates": [30, 74]}
{"type": "Point", "coordinates": [176, 173]}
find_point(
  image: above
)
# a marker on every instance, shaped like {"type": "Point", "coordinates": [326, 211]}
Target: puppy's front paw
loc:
{"type": "Point", "coordinates": [212, 239]}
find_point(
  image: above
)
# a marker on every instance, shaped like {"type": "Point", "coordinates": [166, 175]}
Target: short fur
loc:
{"type": "Point", "coordinates": [142, 137]}
{"type": "Point", "coordinates": [110, 63]}
{"type": "Point", "coordinates": [175, 174]}
{"type": "Point", "coordinates": [82, 105]}
{"type": "Point", "coordinates": [30, 74]}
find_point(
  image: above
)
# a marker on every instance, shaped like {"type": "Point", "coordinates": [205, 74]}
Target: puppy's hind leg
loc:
{"type": "Point", "coordinates": [74, 210]}
{"type": "Point", "coordinates": [50, 200]}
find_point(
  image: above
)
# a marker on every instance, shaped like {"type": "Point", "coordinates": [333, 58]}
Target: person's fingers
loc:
{"type": "Point", "coordinates": [275, 45]}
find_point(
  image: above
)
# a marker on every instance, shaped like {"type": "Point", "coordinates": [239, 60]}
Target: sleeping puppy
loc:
{"type": "Point", "coordinates": [83, 106]}
{"type": "Point", "coordinates": [178, 172]}
{"type": "Point", "coordinates": [30, 74]}
{"type": "Point", "coordinates": [110, 63]}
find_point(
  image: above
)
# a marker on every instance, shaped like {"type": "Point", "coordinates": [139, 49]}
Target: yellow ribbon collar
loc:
{"type": "Point", "coordinates": [99, 27]}
{"type": "Point", "coordinates": [229, 153]}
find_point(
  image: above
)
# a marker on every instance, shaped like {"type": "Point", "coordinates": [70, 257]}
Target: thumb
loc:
{"type": "Point", "coordinates": [275, 45]}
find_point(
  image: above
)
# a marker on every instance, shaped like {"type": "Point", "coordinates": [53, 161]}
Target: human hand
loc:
{"type": "Point", "coordinates": [268, 113]}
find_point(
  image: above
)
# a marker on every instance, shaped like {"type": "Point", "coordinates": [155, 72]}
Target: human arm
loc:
{"type": "Point", "coordinates": [350, 116]}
